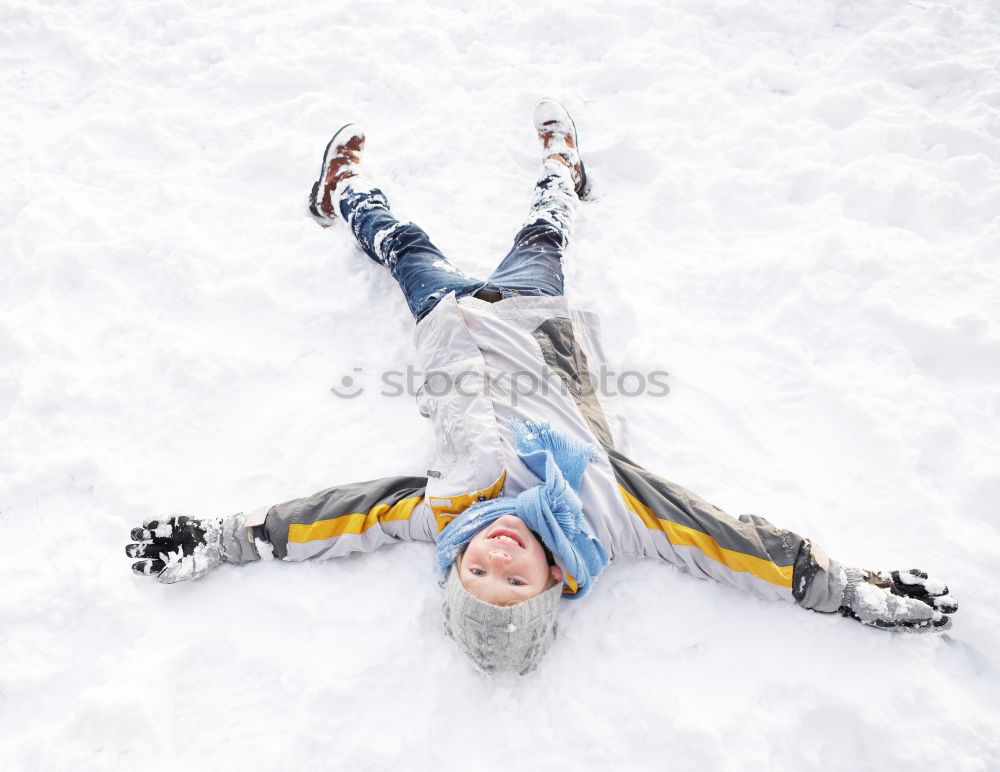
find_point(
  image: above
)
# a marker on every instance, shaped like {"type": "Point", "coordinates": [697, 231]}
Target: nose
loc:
{"type": "Point", "coordinates": [499, 557]}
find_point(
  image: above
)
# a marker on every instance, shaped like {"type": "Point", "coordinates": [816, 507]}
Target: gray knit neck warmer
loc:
{"type": "Point", "coordinates": [497, 639]}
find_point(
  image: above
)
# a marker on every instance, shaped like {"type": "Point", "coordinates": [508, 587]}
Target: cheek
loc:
{"type": "Point", "coordinates": [541, 565]}
{"type": "Point", "coordinates": [538, 553]}
{"type": "Point", "coordinates": [476, 551]}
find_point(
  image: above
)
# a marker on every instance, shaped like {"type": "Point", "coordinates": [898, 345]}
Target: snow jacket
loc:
{"type": "Point", "coordinates": [538, 358]}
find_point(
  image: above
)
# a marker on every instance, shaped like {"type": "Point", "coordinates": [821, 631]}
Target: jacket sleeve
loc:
{"type": "Point", "coordinates": [748, 552]}
{"type": "Point", "coordinates": [358, 517]}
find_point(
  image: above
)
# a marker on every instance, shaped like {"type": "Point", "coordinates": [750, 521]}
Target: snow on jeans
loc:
{"type": "Point", "coordinates": [532, 267]}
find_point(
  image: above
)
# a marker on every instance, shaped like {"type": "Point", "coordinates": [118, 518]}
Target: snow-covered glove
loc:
{"type": "Point", "coordinates": [179, 548]}
{"type": "Point", "coordinates": [898, 600]}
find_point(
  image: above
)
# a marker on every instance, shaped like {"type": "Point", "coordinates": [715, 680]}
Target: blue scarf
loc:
{"type": "Point", "coordinates": [551, 509]}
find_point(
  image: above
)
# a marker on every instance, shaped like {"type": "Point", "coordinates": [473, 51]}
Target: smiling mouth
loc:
{"type": "Point", "coordinates": [503, 535]}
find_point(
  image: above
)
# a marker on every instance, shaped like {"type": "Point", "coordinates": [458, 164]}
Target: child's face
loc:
{"type": "Point", "coordinates": [505, 563]}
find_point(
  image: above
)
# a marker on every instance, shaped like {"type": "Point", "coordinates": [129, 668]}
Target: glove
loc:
{"type": "Point", "coordinates": [180, 548]}
{"type": "Point", "coordinates": [899, 600]}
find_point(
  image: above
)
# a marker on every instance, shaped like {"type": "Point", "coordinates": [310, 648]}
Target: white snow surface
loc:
{"type": "Point", "coordinates": [795, 213]}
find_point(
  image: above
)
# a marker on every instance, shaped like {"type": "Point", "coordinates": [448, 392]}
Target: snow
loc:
{"type": "Point", "coordinates": [795, 213]}
{"type": "Point", "coordinates": [932, 585]}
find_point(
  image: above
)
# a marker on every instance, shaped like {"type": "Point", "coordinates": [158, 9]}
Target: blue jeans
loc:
{"type": "Point", "coordinates": [532, 267]}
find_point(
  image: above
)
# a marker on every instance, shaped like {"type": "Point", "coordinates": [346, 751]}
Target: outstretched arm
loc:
{"type": "Point", "coordinates": [358, 517]}
{"type": "Point", "coordinates": [753, 554]}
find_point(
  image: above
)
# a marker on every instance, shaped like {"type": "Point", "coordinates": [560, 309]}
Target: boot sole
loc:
{"type": "Point", "coordinates": [584, 188]}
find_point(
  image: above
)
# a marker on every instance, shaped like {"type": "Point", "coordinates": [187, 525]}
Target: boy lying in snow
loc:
{"type": "Point", "coordinates": [531, 493]}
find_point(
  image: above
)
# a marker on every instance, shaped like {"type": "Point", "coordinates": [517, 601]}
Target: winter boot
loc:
{"type": "Point", "coordinates": [341, 161]}
{"type": "Point", "coordinates": [557, 132]}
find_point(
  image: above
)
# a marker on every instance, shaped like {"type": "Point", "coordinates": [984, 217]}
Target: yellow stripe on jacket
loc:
{"type": "Point", "coordinates": [683, 536]}
{"type": "Point", "coordinates": [357, 523]}
{"type": "Point", "coordinates": [446, 508]}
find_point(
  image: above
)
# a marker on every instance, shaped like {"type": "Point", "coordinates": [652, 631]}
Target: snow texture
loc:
{"type": "Point", "coordinates": [795, 213]}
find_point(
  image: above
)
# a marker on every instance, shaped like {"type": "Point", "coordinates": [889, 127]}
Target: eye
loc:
{"type": "Point", "coordinates": [477, 572]}
{"type": "Point", "coordinates": [516, 582]}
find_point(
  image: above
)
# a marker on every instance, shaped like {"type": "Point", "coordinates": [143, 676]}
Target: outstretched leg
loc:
{"type": "Point", "coordinates": [534, 264]}
{"type": "Point", "coordinates": [424, 274]}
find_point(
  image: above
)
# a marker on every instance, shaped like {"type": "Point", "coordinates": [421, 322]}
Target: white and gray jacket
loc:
{"type": "Point", "coordinates": [537, 357]}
